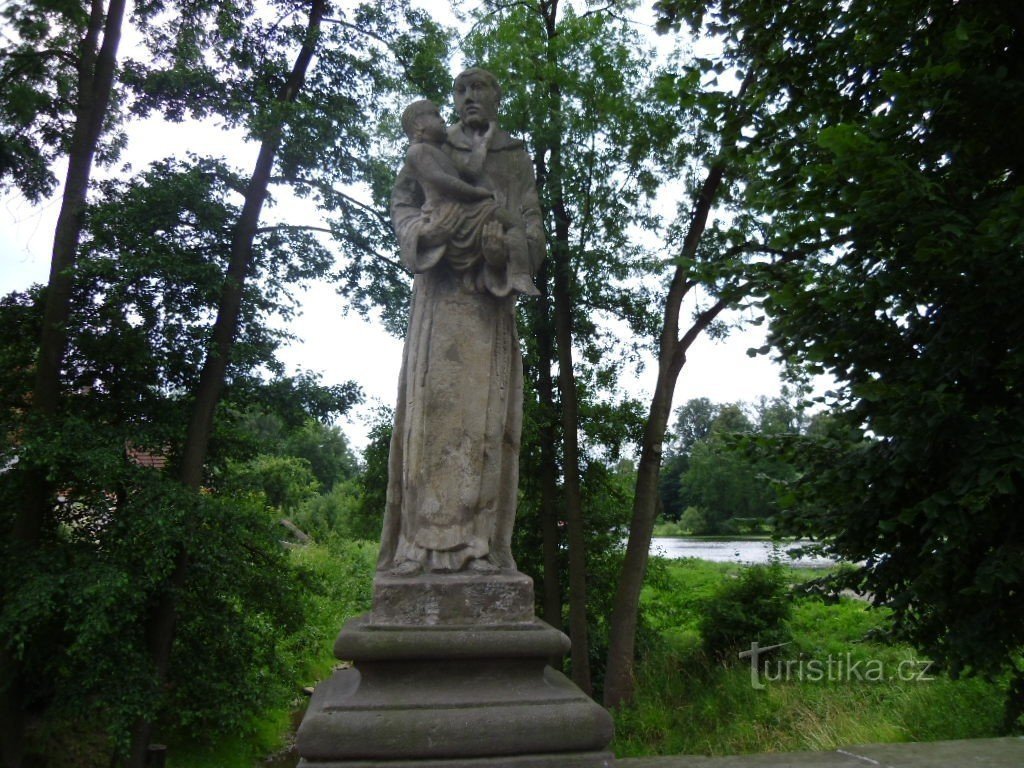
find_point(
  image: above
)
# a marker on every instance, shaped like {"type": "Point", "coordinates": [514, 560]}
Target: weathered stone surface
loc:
{"type": "Point", "coordinates": [967, 753]}
{"type": "Point", "coordinates": [361, 640]}
{"type": "Point", "coordinates": [450, 667]}
{"type": "Point", "coordinates": [970, 753]}
{"type": "Point", "coordinates": [453, 468]}
{"type": "Point", "coordinates": [452, 599]}
{"type": "Point", "coordinates": [430, 696]}
{"type": "Point", "coordinates": [589, 760]}
{"type": "Point", "coordinates": [779, 760]}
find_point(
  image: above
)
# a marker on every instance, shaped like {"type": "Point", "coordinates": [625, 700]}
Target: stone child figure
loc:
{"type": "Point", "coordinates": [465, 210]}
{"type": "Point", "coordinates": [475, 206]}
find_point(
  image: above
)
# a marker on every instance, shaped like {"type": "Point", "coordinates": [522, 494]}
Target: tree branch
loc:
{"type": "Point", "coordinates": [328, 189]}
{"type": "Point", "coordinates": [334, 233]}
{"type": "Point", "coordinates": [388, 44]}
{"type": "Point", "coordinates": [752, 246]}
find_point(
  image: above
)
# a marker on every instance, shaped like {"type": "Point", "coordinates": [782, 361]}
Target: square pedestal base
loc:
{"type": "Point", "coordinates": [452, 697]}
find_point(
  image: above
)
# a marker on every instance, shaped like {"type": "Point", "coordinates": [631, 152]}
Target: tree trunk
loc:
{"type": "Point", "coordinates": [571, 462]}
{"type": "Point", "coordinates": [620, 684]}
{"type": "Point", "coordinates": [549, 501]}
{"type": "Point", "coordinates": [161, 626]}
{"type": "Point", "coordinates": [568, 395]}
{"type": "Point", "coordinates": [619, 680]}
{"type": "Point", "coordinates": [96, 65]}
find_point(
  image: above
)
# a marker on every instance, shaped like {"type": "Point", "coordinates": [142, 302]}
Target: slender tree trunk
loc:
{"type": "Point", "coordinates": [568, 395]}
{"type": "Point", "coordinates": [549, 501]}
{"type": "Point", "coordinates": [96, 66]}
{"type": "Point", "coordinates": [620, 684]}
{"type": "Point", "coordinates": [619, 681]}
{"type": "Point", "coordinates": [161, 626]}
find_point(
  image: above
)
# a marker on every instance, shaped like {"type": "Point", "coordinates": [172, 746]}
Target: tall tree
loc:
{"type": "Point", "coordinates": [574, 85]}
{"type": "Point", "coordinates": [146, 282]}
{"type": "Point", "coordinates": [161, 624]}
{"type": "Point", "coordinates": [66, 96]}
{"type": "Point", "coordinates": [724, 250]}
{"type": "Point", "coordinates": [251, 67]}
{"type": "Point", "coordinates": [286, 127]}
{"type": "Point", "coordinates": [916, 161]}
{"type": "Point", "coordinates": [675, 339]}
{"type": "Point", "coordinates": [895, 143]}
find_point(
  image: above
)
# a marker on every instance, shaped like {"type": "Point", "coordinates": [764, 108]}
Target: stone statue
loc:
{"type": "Point", "coordinates": [469, 227]}
{"type": "Point", "coordinates": [450, 667]}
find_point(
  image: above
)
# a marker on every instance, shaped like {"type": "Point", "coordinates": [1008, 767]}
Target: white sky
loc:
{"type": "Point", "coordinates": [344, 347]}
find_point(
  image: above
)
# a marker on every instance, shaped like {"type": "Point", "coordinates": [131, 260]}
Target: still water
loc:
{"type": "Point", "coordinates": [745, 551]}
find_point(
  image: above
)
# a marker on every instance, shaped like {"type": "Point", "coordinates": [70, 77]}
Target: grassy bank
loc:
{"type": "Point", "coordinates": [835, 683]}
{"type": "Point", "coordinates": [689, 703]}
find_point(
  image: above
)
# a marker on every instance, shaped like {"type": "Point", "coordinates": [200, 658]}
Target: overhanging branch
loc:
{"type": "Point", "coordinates": [329, 190]}
{"type": "Point", "coordinates": [334, 233]}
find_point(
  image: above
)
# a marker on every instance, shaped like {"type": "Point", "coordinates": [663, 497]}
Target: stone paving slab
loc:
{"type": "Point", "coordinates": [973, 753]}
{"type": "Point", "coordinates": [777, 760]}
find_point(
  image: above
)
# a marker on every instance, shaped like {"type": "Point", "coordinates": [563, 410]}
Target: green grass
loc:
{"type": "Point", "coordinates": [688, 704]}
{"type": "Point", "coordinates": [239, 750]}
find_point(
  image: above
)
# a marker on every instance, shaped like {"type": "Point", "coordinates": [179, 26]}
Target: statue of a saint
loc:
{"type": "Point", "coordinates": [469, 227]}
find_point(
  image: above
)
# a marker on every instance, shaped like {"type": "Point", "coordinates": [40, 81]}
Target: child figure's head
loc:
{"type": "Point", "coordinates": [422, 121]}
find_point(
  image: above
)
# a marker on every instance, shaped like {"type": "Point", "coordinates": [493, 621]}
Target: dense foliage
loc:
{"type": "Point", "coordinates": [76, 607]}
{"type": "Point", "coordinates": [711, 486]}
{"type": "Point", "coordinates": [753, 607]}
{"type": "Point", "coordinates": [145, 471]}
{"type": "Point", "coordinates": [689, 703]}
{"type": "Point", "coordinates": [903, 148]}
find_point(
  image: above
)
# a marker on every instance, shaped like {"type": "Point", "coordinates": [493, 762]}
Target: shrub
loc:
{"type": "Point", "coordinates": [693, 521]}
{"type": "Point", "coordinates": [338, 513]}
{"type": "Point", "coordinates": [753, 607]}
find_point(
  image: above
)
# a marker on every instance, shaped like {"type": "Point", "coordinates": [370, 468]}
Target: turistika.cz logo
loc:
{"type": "Point", "coordinates": [831, 669]}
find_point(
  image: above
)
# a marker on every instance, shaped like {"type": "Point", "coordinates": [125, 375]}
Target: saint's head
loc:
{"type": "Point", "coordinates": [477, 96]}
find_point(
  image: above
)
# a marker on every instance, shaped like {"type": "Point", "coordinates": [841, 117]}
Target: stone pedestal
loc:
{"type": "Point", "coordinates": [452, 599]}
{"type": "Point", "coordinates": [451, 672]}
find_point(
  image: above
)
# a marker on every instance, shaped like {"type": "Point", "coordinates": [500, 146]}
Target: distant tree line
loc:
{"type": "Point", "coordinates": [708, 484]}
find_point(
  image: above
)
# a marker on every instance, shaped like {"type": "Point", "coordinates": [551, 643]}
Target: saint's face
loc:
{"type": "Point", "coordinates": [476, 101]}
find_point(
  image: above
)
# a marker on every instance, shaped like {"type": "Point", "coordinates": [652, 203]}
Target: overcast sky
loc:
{"type": "Point", "coordinates": [344, 347]}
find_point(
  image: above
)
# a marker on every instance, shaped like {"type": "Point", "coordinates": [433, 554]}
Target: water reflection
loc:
{"type": "Point", "coordinates": [745, 551]}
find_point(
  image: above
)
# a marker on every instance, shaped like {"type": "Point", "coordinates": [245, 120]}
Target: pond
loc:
{"type": "Point", "coordinates": [747, 551]}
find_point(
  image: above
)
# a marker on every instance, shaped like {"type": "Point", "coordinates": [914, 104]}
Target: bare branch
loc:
{"type": "Point", "coordinates": [752, 246]}
{"type": "Point", "coordinates": [328, 189]}
{"type": "Point", "coordinates": [398, 268]}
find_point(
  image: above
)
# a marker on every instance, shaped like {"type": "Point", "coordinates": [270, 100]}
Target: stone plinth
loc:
{"type": "Point", "coordinates": [452, 696]}
{"type": "Point", "coordinates": [452, 599]}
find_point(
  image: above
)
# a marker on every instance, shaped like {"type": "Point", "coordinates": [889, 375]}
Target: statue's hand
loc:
{"type": "Point", "coordinates": [480, 143]}
{"type": "Point", "coordinates": [493, 243]}
{"type": "Point", "coordinates": [489, 134]}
